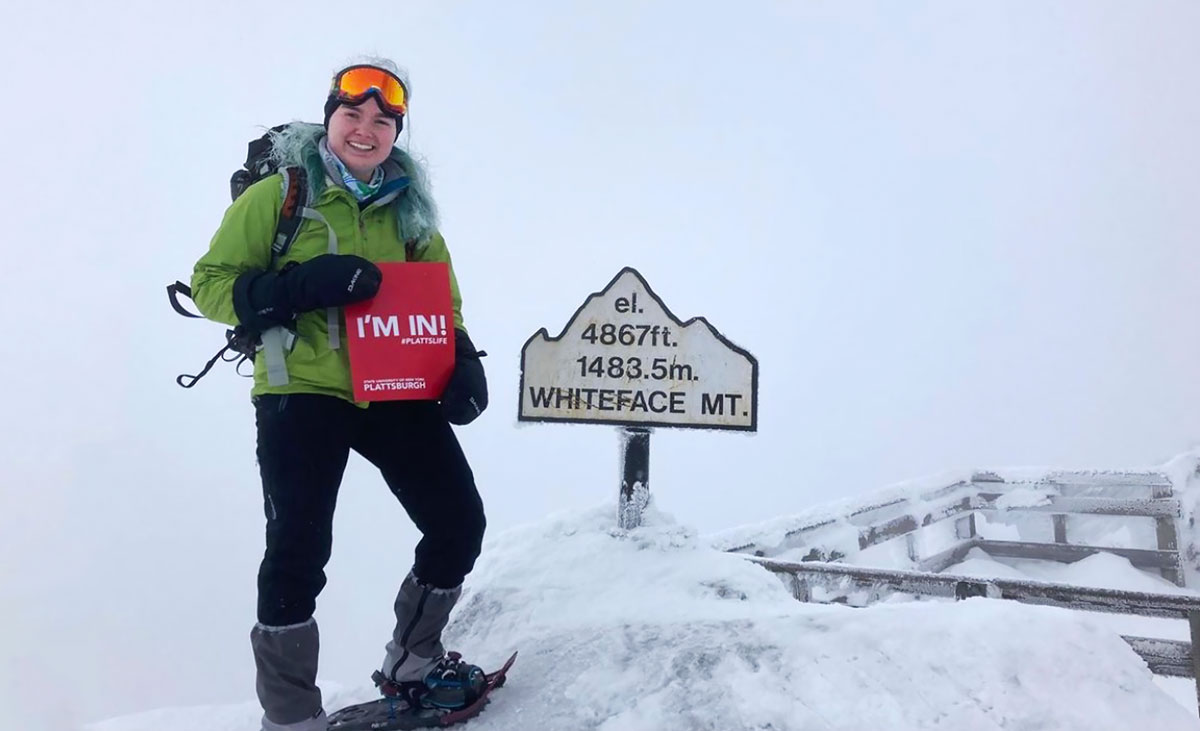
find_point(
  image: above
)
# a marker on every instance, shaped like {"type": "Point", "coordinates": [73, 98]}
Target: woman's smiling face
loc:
{"type": "Point", "coordinates": [361, 136]}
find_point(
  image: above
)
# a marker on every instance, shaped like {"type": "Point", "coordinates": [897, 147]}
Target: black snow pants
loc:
{"type": "Point", "coordinates": [304, 442]}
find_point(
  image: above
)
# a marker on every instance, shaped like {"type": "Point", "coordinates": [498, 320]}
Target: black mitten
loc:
{"type": "Point", "coordinates": [465, 396]}
{"type": "Point", "coordinates": [330, 280]}
{"type": "Point", "coordinates": [265, 299]}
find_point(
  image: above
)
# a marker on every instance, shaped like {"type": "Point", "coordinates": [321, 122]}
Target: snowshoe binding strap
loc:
{"type": "Point", "coordinates": [410, 693]}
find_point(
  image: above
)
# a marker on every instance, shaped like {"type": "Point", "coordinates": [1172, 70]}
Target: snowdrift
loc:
{"type": "Point", "coordinates": [650, 630]}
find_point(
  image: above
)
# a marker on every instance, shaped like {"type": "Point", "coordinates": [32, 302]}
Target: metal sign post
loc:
{"type": "Point", "coordinates": [624, 359]}
{"type": "Point", "coordinates": [635, 476]}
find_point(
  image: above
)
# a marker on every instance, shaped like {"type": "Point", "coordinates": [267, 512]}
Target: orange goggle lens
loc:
{"type": "Point", "coordinates": [354, 83]}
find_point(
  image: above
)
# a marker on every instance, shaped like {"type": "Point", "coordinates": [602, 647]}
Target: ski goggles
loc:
{"type": "Point", "coordinates": [353, 84]}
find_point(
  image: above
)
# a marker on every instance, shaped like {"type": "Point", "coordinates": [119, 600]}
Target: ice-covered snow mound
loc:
{"type": "Point", "coordinates": [648, 630]}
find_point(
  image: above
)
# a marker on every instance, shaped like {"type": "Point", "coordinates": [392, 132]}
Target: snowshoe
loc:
{"type": "Point", "coordinates": [453, 692]}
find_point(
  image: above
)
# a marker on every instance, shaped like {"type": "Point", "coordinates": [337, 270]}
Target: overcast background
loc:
{"type": "Point", "coordinates": [953, 234]}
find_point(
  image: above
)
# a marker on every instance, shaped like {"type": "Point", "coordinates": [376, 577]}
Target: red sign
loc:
{"type": "Point", "coordinates": [402, 340]}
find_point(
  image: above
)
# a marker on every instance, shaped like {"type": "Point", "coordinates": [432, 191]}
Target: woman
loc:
{"type": "Point", "coordinates": [367, 203]}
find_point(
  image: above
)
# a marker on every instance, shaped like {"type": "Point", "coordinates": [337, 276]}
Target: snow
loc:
{"type": "Point", "coordinates": [772, 532]}
{"type": "Point", "coordinates": [1023, 497]}
{"type": "Point", "coordinates": [996, 529]}
{"type": "Point", "coordinates": [1184, 473]}
{"type": "Point", "coordinates": [1102, 570]}
{"type": "Point", "coordinates": [653, 629]}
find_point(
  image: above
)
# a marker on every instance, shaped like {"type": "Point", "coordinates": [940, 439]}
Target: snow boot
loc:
{"type": "Point", "coordinates": [422, 611]}
{"type": "Point", "coordinates": [450, 684]}
{"type": "Point", "coordinates": [286, 660]}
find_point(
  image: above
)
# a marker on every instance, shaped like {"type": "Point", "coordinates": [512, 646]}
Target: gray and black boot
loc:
{"type": "Point", "coordinates": [286, 658]}
{"type": "Point", "coordinates": [416, 666]}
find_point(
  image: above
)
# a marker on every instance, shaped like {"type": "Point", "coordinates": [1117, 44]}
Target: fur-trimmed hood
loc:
{"type": "Point", "coordinates": [416, 213]}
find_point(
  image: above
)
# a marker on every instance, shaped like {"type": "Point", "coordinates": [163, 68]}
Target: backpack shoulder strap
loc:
{"type": "Point", "coordinates": [295, 198]}
{"type": "Point", "coordinates": [173, 292]}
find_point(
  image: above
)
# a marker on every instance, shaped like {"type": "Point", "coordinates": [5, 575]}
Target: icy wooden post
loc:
{"type": "Point", "coordinates": [1168, 539]}
{"type": "Point", "coordinates": [635, 476]}
{"type": "Point", "coordinates": [910, 545]}
{"type": "Point", "coordinates": [964, 527]}
{"type": "Point", "coordinates": [1060, 528]}
{"type": "Point", "coordinates": [1194, 626]}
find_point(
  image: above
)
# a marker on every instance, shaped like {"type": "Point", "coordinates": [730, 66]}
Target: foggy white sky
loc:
{"type": "Point", "coordinates": [954, 235]}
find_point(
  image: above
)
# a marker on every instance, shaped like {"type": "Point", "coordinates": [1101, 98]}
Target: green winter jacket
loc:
{"type": "Point", "coordinates": [378, 233]}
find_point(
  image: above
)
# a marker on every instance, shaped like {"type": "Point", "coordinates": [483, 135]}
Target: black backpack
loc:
{"type": "Point", "coordinates": [241, 341]}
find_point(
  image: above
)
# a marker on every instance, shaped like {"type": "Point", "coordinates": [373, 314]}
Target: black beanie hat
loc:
{"type": "Point", "coordinates": [332, 103]}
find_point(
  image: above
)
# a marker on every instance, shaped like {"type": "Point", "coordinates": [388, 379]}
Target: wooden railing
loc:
{"type": "Point", "coordinates": [879, 522]}
{"type": "Point", "coordinates": [1151, 498]}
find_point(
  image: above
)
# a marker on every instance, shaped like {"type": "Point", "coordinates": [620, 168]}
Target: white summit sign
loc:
{"type": "Point", "coordinates": [624, 359]}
